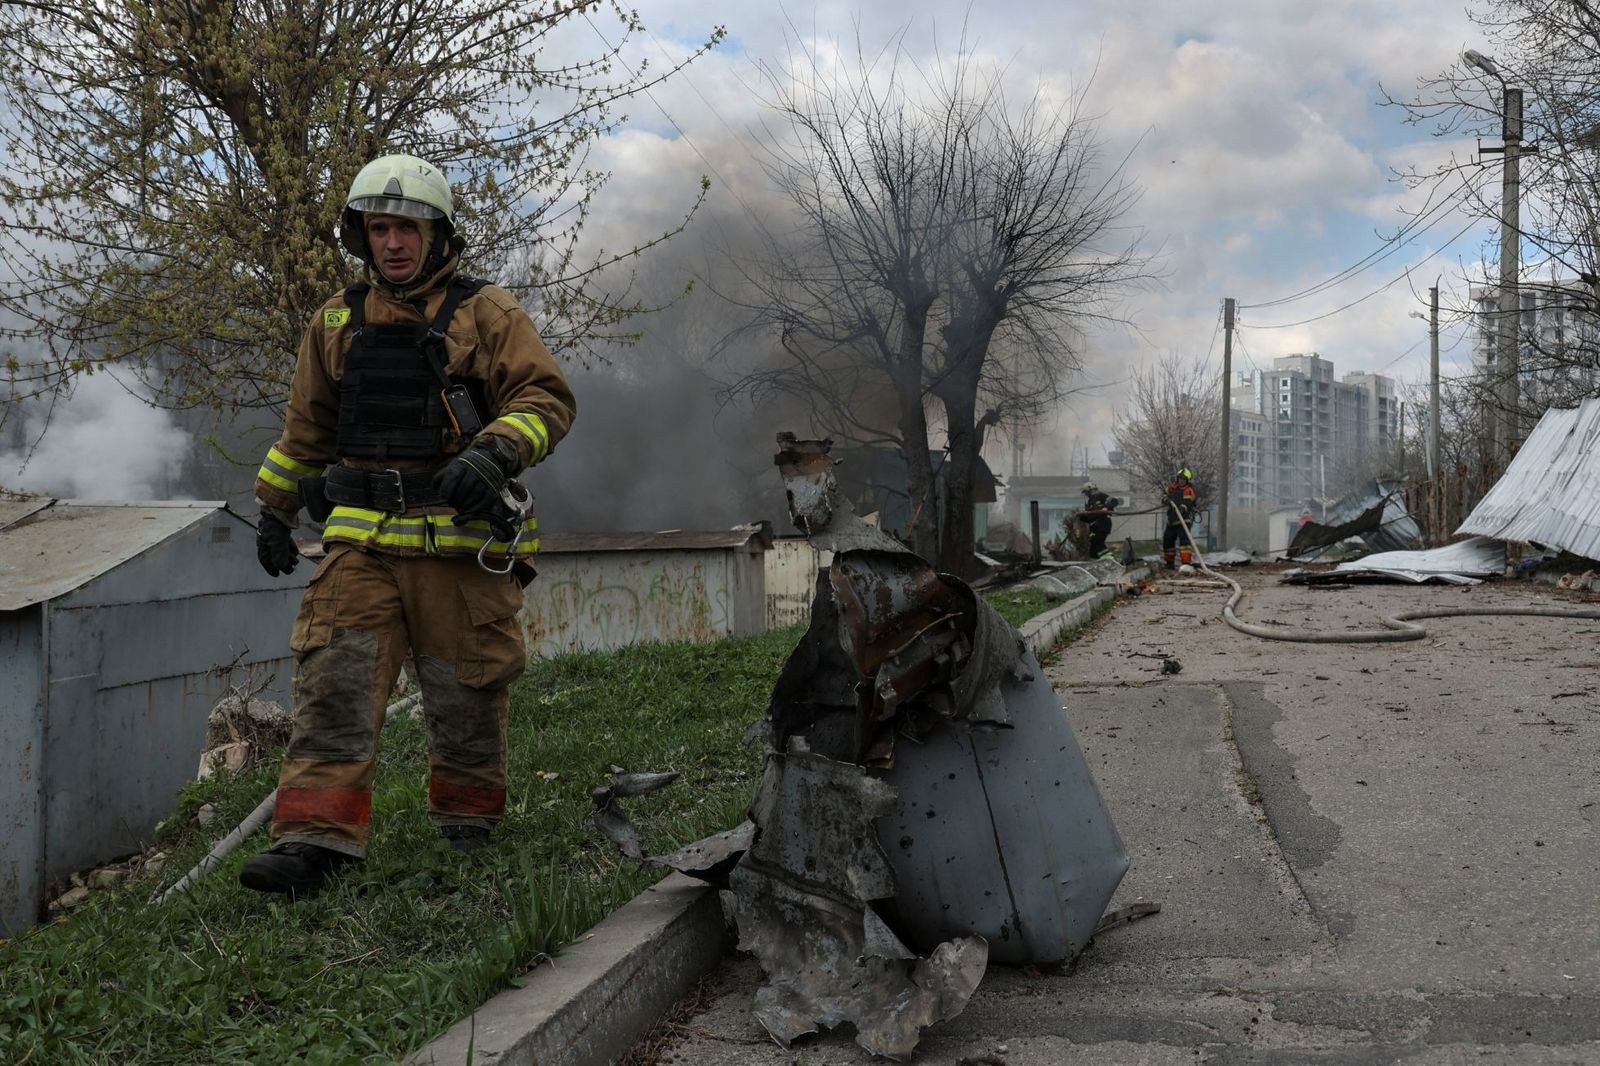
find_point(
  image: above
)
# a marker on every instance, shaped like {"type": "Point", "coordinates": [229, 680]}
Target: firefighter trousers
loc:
{"type": "Point", "coordinates": [1173, 537]}
{"type": "Point", "coordinates": [364, 613]}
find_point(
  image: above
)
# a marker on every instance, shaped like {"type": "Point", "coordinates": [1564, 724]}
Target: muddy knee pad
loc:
{"type": "Point", "coordinates": [465, 723]}
{"type": "Point", "coordinates": [333, 700]}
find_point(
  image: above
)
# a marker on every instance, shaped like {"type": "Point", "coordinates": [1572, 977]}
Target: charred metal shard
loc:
{"type": "Point", "coordinates": [709, 859]}
{"type": "Point", "coordinates": [805, 897]}
{"type": "Point", "coordinates": [924, 806]}
{"type": "Point", "coordinates": [997, 829]}
{"type": "Point", "coordinates": [606, 813]}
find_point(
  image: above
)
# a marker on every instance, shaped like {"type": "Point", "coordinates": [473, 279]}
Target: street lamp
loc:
{"type": "Point", "coordinates": [1506, 425]}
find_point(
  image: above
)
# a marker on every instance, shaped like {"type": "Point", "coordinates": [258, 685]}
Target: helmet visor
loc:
{"type": "Point", "coordinates": [393, 205]}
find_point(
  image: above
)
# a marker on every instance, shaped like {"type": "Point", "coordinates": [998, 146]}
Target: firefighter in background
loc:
{"type": "Point", "coordinates": [418, 396]}
{"type": "Point", "coordinates": [1096, 517]}
{"type": "Point", "coordinates": [1181, 502]}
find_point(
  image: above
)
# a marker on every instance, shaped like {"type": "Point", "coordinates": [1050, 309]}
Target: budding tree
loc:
{"type": "Point", "coordinates": [173, 172]}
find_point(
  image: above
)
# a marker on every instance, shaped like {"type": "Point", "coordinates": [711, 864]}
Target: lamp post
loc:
{"type": "Point", "coordinates": [1507, 427]}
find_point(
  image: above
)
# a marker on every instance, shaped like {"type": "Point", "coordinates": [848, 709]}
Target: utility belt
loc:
{"type": "Point", "coordinates": [395, 492]}
{"type": "Point", "coordinates": [374, 490]}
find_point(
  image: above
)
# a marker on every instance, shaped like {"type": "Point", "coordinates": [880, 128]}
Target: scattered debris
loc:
{"type": "Point", "coordinates": [1171, 666]}
{"type": "Point", "coordinates": [1375, 513]}
{"type": "Point", "coordinates": [239, 728]}
{"type": "Point", "coordinates": [1465, 563]}
{"type": "Point", "coordinates": [1231, 557]}
{"type": "Point", "coordinates": [924, 807]}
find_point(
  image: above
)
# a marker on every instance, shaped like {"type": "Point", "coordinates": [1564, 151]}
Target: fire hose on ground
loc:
{"type": "Point", "coordinates": [1401, 627]}
{"type": "Point", "coordinates": [253, 821]}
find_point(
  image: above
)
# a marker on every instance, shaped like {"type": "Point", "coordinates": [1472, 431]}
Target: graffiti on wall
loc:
{"type": "Point", "coordinates": [591, 607]}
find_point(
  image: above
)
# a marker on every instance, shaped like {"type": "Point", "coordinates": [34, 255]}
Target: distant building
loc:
{"type": "Point", "coordinates": [1558, 339]}
{"type": "Point", "coordinates": [1291, 421]}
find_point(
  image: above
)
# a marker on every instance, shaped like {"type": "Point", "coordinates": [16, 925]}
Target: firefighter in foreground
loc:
{"type": "Point", "coordinates": [1181, 501]}
{"type": "Point", "coordinates": [418, 396]}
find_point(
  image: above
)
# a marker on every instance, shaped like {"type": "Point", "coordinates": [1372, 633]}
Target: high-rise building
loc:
{"type": "Point", "coordinates": [1295, 420]}
{"type": "Point", "coordinates": [1558, 340]}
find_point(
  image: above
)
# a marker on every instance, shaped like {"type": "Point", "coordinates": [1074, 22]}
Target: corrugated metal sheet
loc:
{"type": "Point", "coordinates": [52, 549]}
{"type": "Point", "coordinates": [116, 622]}
{"type": "Point", "coordinates": [1463, 563]}
{"type": "Point", "coordinates": [757, 537]}
{"type": "Point", "coordinates": [1550, 494]}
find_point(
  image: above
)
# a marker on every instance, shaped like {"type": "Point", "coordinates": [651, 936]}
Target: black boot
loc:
{"type": "Point", "coordinates": [465, 837]}
{"type": "Point", "coordinates": [293, 868]}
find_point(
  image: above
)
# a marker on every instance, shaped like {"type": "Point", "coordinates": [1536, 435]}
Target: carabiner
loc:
{"type": "Point", "coordinates": [518, 501]}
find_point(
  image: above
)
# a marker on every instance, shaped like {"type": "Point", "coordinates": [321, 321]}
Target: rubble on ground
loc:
{"type": "Point", "coordinates": [239, 729]}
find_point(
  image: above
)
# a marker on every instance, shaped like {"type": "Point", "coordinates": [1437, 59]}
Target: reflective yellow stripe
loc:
{"type": "Point", "coordinates": [530, 426]}
{"type": "Point", "coordinates": [426, 533]}
{"type": "Point", "coordinates": [284, 472]}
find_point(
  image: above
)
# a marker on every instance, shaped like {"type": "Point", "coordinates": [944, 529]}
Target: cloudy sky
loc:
{"type": "Point", "coordinates": [1254, 127]}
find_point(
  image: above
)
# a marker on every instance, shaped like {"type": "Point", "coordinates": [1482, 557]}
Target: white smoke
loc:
{"type": "Point", "coordinates": [101, 442]}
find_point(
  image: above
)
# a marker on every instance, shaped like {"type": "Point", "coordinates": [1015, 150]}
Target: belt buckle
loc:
{"type": "Point", "coordinates": [399, 491]}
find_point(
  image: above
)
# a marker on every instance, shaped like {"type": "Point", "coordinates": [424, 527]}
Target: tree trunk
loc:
{"type": "Point", "coordinates": [956, 538]}
{"type": "Point", "coordinates": [922, 527]}
{"type": "Point", "coordinates": [967, 344]}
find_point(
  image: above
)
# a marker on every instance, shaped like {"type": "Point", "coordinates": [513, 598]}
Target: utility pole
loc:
{"type": "Point", "coordinates": [1507, 427]}
{"type": "Point", "coordinates": [1435, 471]}
{"type": "Point", "coordinates": [1226, 454]}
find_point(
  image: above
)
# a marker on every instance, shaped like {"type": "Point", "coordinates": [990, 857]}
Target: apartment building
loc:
{"type": "Point", "coordinates": [1558, 340]}
{"type": "Point", "coordinates": [1291, 421]}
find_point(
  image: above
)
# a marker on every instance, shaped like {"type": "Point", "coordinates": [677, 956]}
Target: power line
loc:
{"type": "Point", "coordinates": [1381, 288]}
{"type": "Point", "coordinates": [1410, 232]}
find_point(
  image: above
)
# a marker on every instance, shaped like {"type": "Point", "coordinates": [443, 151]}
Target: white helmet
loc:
{"type": "Point", "coordinates": [396, 185]}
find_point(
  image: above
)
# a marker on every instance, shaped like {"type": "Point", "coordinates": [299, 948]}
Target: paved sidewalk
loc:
{"type": "Point", "coordinates": [1365, 854]}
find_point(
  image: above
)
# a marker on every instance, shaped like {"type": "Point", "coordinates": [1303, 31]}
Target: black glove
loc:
{"type": "Point", "coordinates": [473, 480]}
{"type": "Point", "coordinates": [275, 546]}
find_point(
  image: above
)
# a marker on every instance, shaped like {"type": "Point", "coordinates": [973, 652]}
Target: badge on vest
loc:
{"type": "Point", "coordinates": [334, 317]}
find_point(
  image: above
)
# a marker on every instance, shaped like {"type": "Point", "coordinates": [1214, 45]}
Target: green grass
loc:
{"type": "Point", "coordinates": [1017, 605]}
{"type": "Point", "coordinates": [417, 936]}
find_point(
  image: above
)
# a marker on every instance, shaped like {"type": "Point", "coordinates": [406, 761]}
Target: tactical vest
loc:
{"type": "Point", "coordinates": [390, 397]}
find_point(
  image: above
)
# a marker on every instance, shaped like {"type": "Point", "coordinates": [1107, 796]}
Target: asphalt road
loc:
{"type": "Point", "coordinates": [1363, 853]}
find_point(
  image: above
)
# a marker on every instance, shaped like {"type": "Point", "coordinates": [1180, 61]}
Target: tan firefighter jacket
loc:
{"type": "Point", "coordinates": [490, 338]}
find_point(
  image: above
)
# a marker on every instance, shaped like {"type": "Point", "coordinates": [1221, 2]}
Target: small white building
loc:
{"type": "Point", "coordinates": [120, 626]}
{"type": "Point", "coordinates": [597, 591]}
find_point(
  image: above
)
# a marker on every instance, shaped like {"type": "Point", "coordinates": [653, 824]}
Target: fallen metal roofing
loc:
{"type": "Point", "coordinates": [1464, 563]}
{"type": "Point", "coordinates": [1375, 513]}
{"type": "Point", "coordinates": [1550, 494]}
{"type": "Point", "coordinates": [50, 547]}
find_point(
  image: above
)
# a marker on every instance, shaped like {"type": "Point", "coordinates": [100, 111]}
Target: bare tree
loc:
{"type": "Point", "coordinates": [173, 172]}
{"type": "Point", "coordinates": [950, 246]}
{"type": "Point", "coordinates": [1171, 421]}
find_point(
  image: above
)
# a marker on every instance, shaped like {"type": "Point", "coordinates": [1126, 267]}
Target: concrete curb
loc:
{"type": "Point", "coordinates": [1041, 632]}
{"type": "Point", "coordinates": [601, 994]}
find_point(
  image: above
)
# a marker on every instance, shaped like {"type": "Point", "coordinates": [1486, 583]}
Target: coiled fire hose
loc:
{"type": "Point", "coordinates": [1400, 626]}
